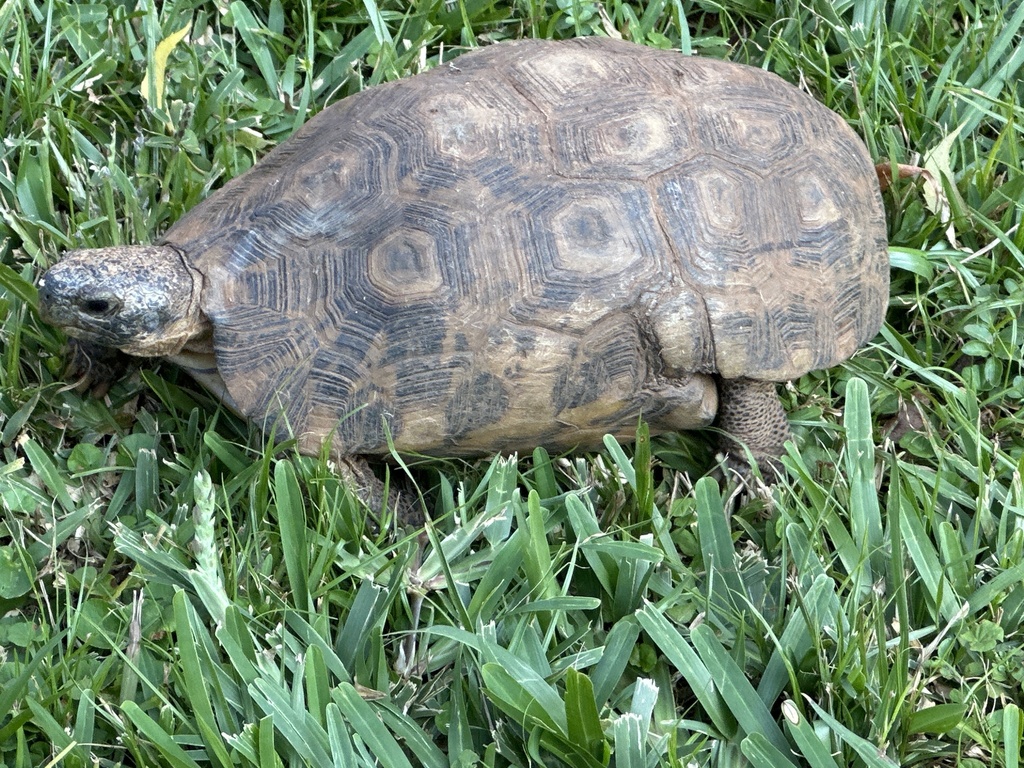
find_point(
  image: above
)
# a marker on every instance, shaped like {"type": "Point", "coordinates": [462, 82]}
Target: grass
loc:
{"type": "Point", "coordinates": [175, 593]}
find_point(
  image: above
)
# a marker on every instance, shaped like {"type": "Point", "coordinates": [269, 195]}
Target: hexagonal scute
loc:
{"type": "Point", "coordinates": [554, 75]}
{"type": "Point", "coordinates": [403, 255]}
{"type": "Point", "coordinates": [720, 218]}
{"type": "Point", "coordinates": [816, 197]}
{"type": "Point", "coordinates": [584, 247]}
{"type": "Point", "coordinates": [595, 238]}
{"type": "Point", "coordinates": [785, 277]}
{"type": "Point", "coordinates": [469, 125]}
{"type": "Point", "coordinates": [823, 237]}
{"type": "Point", "coordinates": [636, 139]}
{"type": "Point", "coordinates": [267, 378]}
{"type": "Point", "coordinates": [361, 422]}
{"type": "Point", "coordinates": [756, 135]}
{"type": "Point", "coordinates": [457, 132]}
{"type": "Point", "coordinates": [345, 182]}
{"type": "Point", "coordinates": [283, 201]}
{"type": "Point", "coordinates": [403, 266]}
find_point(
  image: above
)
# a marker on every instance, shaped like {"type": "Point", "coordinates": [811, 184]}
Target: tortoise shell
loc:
{"type": "Point", "coordinates": [536, 244]}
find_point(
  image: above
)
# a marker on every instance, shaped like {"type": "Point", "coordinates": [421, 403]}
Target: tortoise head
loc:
{"type": "Point", "coordinates": [143, 300]}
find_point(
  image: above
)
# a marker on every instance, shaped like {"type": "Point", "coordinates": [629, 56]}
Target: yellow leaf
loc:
{"type": "Point", "coordinates": [160, 56]}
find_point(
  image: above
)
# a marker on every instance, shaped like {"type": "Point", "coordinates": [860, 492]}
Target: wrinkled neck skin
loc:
{"type": "Point", "coordinates": [192, 329]}
{"type": "Point", "coordinates": [197, 357]}
{"type": "Point", "coordinates": [143, 300]}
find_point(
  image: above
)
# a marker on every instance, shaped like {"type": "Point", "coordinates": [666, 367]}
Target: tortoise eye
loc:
{"type": "Point", "coordinates": [97, 306]}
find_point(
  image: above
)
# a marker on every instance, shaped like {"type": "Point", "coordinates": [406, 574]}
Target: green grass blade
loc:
{"type": "Point", "coordinates": [294, 724]}
{"type": "Point", "coordinates": [364, 615]}
{"type": "Point", "coordinates": [942, 718]}
{"type": "Point", "coordinates": [621, 460]}
{"type": "Point", "coordinates": [380, 28]}
{"type": "Point", "coordinates": [164, 743]}
{"type": "Point", "coordinates": [537, 562]}
{"type": "Point", "coordinates": [412, 734]}
{"type": "Point", "coordinates": [49, 474]}
{"type": "Point", "coordinates": [644, 487]}
{"type": "Point", "coordinates": [814, 616]}
{"type": "Point", "coordinates": [317, 684]}
{"type": "Point", "coordinates": [196, 680]}
{"type": "Point", "coordinates": [817, 754]}
{"type": "Point", "coordinates": [525, 700]}
{"type": "Point", "coordinates": [291, 517]}
{"type": "Point", "coordinates": [585, 525]}
{"type": "Point", "coordinates": [991, 590]}
{"type": "Point", "coordinates": [55, 734]}
{"type": "Point", "coordinates": [499, 577]}
{"type": "Point", "coordinates": [581, 714]}
{"type": "Point", "coordinates": [741, 698]}
{"type": "Point", "coordinates": [502, 498]}
{"type": "Point", "coordinates": [18, 286]}
{"type": "Point", "coordinates": [688, 664]}
{"type": "Point", "coordinates": [309, 637]}
{"type": "Point", "coordinates": [543, 474]}
{"type": "Point", "coordinates": [645, 699]}
{"type": "Point", "coordinates": [628, 732]}
{"type": "Point", "coordinates": [763, 754]}
{"type": "Point", "coordinates": [340, 739]}
{"type": "Point", "coordinates": [925, 556]}
{"type": "Point", "coordinates": [265, 740]}
{"type": "Point", "coordinates": [725, 590]}
{"type": "Point", "coordinates": [85, 720]}
{"type": "Point", "coordinates": [238, 644]}
{"type": "Point", "coordinates": [865, 750]}
{"type": "Point", "coordinates": [364, 721]}
{"type": "Point", "coordinates": [1013, 735]}
{"type": "Point", "coordinates": [865, 515]}
{"type": "Point", "coordinates": [618, 645]}
{"type": "Point", "coordinates": [252, 33]}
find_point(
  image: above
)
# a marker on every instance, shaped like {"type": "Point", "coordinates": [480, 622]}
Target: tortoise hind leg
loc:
{"type": "Point", "coordinates": [369, 488]}
{"type": "Point", "coordinates": [750, 414]}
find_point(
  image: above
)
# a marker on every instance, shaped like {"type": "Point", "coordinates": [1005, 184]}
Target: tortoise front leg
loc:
{"type": "Point", "coordinates": [94, 368]}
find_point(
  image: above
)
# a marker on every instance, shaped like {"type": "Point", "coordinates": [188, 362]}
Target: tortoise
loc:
{"type": "Point", "coordinates": [537, 243]}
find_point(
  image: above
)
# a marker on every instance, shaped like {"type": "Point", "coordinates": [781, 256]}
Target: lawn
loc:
{"type": "Point", "coordinates": [176, 592]}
